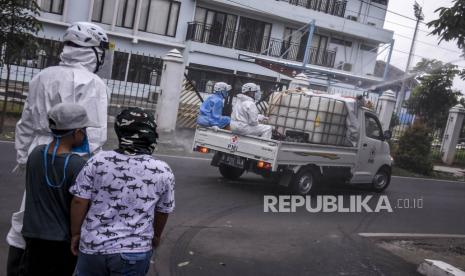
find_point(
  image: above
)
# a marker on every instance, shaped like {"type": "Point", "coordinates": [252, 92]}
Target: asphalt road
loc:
{"type": "Point", "coordinates": [219, 227]}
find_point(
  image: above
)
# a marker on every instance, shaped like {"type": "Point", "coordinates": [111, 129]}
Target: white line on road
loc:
{"type": "Point", "coordinates": [181, 157]}
{"type": "Point", "coordinates": [428, 179]}
{"type": "Point", "coordinates": [409, 235]}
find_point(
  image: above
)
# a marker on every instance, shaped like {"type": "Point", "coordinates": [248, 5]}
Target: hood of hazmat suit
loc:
{"type": "Point", "coordinates": [211, 111]}
{"type": "Point", "coordinates": [245, 118]}
{"type": "Point", "coordinates": [72, 81]}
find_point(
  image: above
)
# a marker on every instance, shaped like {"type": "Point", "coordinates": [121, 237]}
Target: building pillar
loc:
{"type": "Point", "coordinates": [452, 133]}
{"type": "Point", "coordinates": [386, 105]}
{"type": "Point", "coordinates": [170, 89]}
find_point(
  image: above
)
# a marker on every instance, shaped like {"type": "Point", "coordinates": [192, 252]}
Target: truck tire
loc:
{"type": "Point", "coordinates": [230, 172]}
{"type": "Point", "coordinates": [382, 179]}
{"type": "Point", "coordinates": [305, 181]}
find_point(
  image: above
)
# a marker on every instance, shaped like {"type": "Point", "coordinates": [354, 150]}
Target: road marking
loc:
{"type": "Point", "coordinates": [409, 235]}
{"type": "Point", "coordinates": [428, 179]}
{"type": "Point", "coordinates": [181, 157]}
{"type": "Point", "coordinates": [7, 142]}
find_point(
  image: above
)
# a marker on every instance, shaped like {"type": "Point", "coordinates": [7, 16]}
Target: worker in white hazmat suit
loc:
{"type": "Point", "coordinates": [245, 117]}
{"type": "Point", "coordinates": [72, 81]}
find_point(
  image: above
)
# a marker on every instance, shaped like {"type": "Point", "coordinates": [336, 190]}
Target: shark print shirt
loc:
{"type": "Point", "coordinates": [124, 193]}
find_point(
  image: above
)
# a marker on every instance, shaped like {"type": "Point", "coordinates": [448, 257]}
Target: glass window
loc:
{"type": "Point", "coordinates": [159, 17]}
{"type": "Point", "coordinates": [253, 35]}
{"type": "Point", "coordinates": [120, 61]}
{"type": "Point", "coordinates": [126, 13]}
{"type": "Point", "coordinates": [143, 68]}
{"type": "Point", "coordinates": [373, 127]}
{"type": "Point", "coordinates": [103, 11]}
{"type": "Point", "coordinates": [52, 6]}
{"type": "Point", "coordinates": [341, 42]}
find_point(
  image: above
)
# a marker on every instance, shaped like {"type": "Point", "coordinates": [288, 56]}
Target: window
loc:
{"type": "Point", "coordinates": [120, 60]}
{"type": "Point", "coordinates": [126, 13]}
{"type": "Point", "coordinates": [341, 42]}
{"type": "Point", "coordinates": [214, 27]}
{"type": "Point", "coordinates": [159, 17]}
{"type": "Point", "coordinates": [370, 48]}
{"type": "Point", "coordinates": [46, 54]}
{"type": "Point", "coordinates": [373, 127]}
{"type": "Point", "coordinates": [103, 11]}
{"type": "Point", "coordinates": [253, 35]}
{"type": "Point", "coordinates": [382, 2]}
{"type": "Point", "coordinates": [143, 69]}
{"type": "Point", "coordinates": [52, 6]}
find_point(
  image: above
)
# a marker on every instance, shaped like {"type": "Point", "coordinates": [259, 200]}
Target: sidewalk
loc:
{"type": "Point", "coordinates": [458, 172]}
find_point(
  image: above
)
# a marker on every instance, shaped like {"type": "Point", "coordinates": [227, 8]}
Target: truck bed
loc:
{"type": "Point", "coordinates": [274, 152]}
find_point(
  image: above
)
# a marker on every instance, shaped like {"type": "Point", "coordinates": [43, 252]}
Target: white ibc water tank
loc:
{"type": "Point", "coordinates": [323, 119]}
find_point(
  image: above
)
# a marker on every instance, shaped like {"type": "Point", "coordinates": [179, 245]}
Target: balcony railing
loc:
{"type": "Point", "coordinates": [250, 42]}
{"type": "Point", "coordinates": [296, 52]}
{"type": "Point", "coordinates": [333, 7]}
{"type": "Point", "coordinates": [241, 40]}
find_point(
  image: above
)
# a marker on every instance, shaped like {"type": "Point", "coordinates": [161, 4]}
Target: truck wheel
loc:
{"type": "Point", "coordinates": [381, 180]}
{"type": "Point", "coordinates": [304, 182]}
{"type": "Point", "coordinates": [229, 172]}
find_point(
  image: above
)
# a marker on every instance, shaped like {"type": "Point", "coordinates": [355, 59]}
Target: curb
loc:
{"type": "Point", "coordinates": [438, 268]}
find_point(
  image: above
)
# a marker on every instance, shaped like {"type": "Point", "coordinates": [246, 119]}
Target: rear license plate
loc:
{"type": "Point", "coordinates": [233, 161]}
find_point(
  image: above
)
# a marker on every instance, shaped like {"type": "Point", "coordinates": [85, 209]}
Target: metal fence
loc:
{"type": "Point", "coordinates": [333, 7]}
{"type": "Point", "coordinates": [133, 80]}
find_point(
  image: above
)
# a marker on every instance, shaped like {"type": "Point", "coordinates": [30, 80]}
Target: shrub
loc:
{"type": "Point", "coordinates": [414, 150]}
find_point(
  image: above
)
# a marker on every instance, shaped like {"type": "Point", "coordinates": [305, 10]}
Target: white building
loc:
{"type": "Point", "coordinates": [225, 39]}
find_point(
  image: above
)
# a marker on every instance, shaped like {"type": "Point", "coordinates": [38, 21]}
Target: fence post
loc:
{"type": "Point", "coordinates": [451, 134]}
{"type": "Point", "coordinates": [387, 103]}
{"type": "Point", "coordinates": [170, 90]}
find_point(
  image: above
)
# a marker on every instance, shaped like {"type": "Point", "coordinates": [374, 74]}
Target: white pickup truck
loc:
{"type": "Point", "coordinates": [302, 166]}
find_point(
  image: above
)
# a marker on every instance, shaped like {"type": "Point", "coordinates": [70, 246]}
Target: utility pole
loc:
{"type": "Point", "coordinates": [419, 16]}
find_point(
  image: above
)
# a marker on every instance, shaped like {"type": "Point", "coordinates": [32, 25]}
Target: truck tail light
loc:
{"type": "Point", "coordinates": [202, 149]}
{"type": "Point", "coordinates": [263, 165]}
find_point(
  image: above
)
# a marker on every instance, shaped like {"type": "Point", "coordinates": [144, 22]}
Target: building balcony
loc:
{"type": "Point", "coordinates": [244, 41]}
{"type": "Point", "coordinates": [333, 7]}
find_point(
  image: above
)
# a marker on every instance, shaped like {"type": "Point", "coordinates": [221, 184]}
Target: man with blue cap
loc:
{"type": "Point", "coordinates": [211, 110]}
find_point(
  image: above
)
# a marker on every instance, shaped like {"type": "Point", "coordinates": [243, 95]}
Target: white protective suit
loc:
{"type": "Point", "coordinates": [73, 82]}
{"type": "Point", "coordinates": [245, 118]}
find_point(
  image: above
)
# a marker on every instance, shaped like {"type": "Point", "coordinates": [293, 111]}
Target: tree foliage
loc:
{"type": "Point", "coordinates": [414, 150]}
{"type": "Point", "coordinates": [18, 26]}
{"type": "Point", "coordinates": [451, 23]}
{"type": "Point", "coordinates": [434, 96]}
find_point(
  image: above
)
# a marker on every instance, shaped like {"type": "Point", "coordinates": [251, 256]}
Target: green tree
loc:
{"type": "Point", "coordinates": [18, 26]}
{"type": "Point", "coordinates": [434, 96]}
{"type": "Point", "coordinates": [414, 150]}
{"type": "Point", "coordinates": [451, 23]}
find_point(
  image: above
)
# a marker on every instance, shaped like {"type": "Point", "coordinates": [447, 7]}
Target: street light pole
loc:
{"type": "Point", "coordinates": [419, 16]}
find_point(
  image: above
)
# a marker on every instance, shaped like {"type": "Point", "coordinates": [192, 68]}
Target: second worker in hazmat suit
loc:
{"type": "Point", "coordinates": [211, 110]}
{"type": "Point", "coordinates": [72, 81]}
{"type": "Point", "coordinates": [245, 117]}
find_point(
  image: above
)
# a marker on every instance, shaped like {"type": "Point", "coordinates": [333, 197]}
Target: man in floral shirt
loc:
{"type": "Point", "coordinates": [128, 194]}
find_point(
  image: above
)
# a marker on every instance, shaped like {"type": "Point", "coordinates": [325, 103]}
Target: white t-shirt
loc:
{"type": "Point", "coordinates": [124, 193]}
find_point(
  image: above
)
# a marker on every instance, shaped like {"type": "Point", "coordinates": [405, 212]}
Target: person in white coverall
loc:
{"type": "Point", "coordinates": [245, 117]}
{"type": "Point", "coordinates": [72, 81]}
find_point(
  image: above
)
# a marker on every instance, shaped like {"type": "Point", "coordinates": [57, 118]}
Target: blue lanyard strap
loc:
{"type": "Point", "coordinates": [55, 148]}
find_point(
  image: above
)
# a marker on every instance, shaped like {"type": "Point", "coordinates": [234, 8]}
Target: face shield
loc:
{"type": "Point", "coordinates": [258, 94]}
{"type": "Point", "coordinates": [106, 62]}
